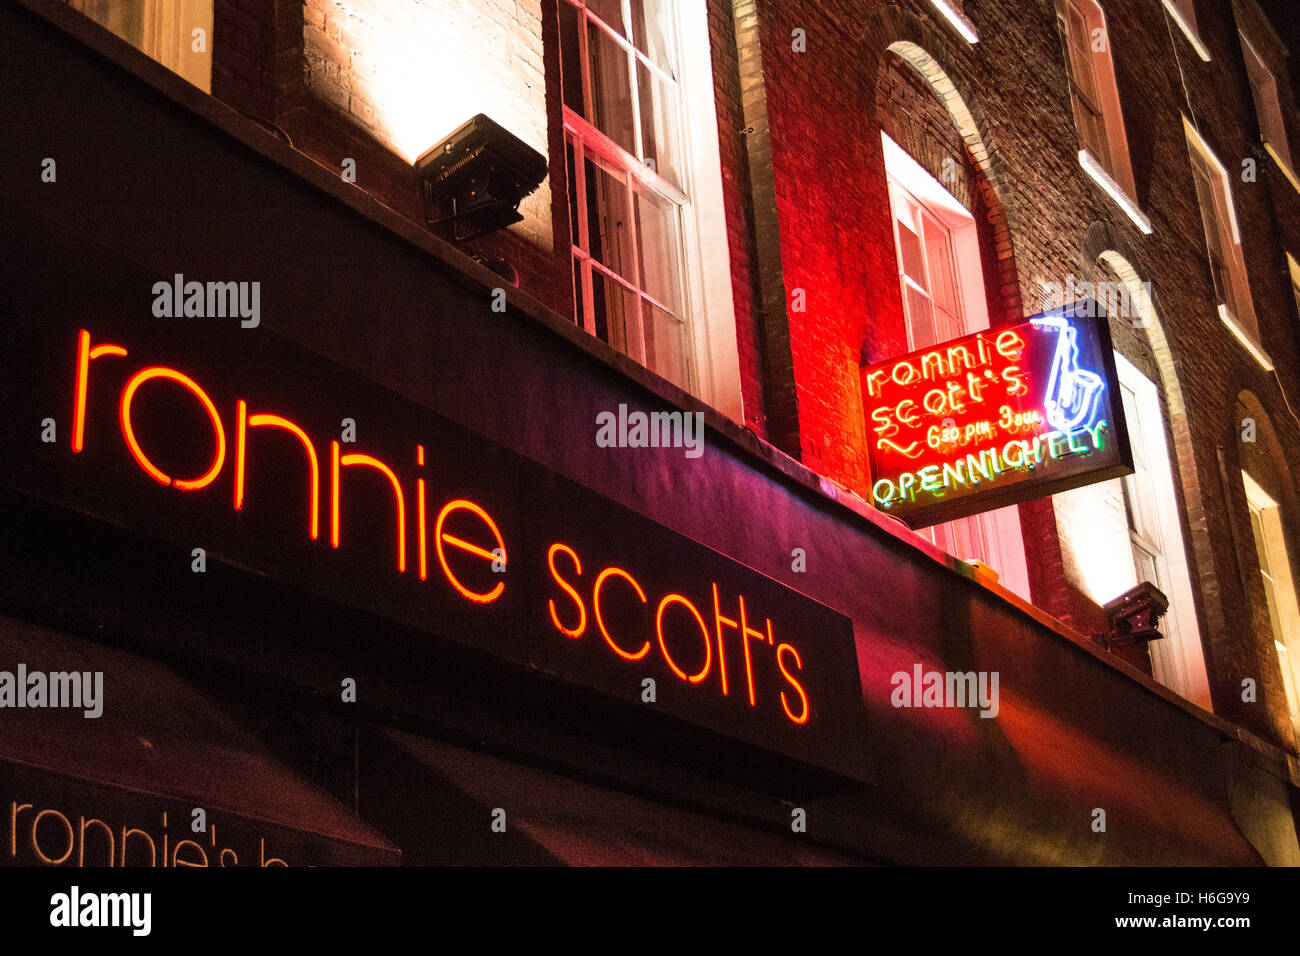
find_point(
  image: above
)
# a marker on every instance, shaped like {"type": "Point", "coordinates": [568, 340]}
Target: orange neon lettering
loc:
{"type": "Point", "coordinates": [419, 516]}
{"type": "Point", "coordinates": [15, 808]}
{"type": "Point", "coordinates": [36, 822]}
{"type": "Point", "coordinates": [568, 588]}
{"type": "Point", "coordinates": [153, 847]}
{"type": "Point", "coordinates": [244, 421]}
{"type": "Point", "coordinates": [1009, 345]}
{"type": "Point", "coordinates": [930, 405]}
{"type": "Point", "coordinates": [600, 623]}
{"type": "Point", "coordinates": [883, 427]}
{"type": "Point", "coordinates": [720, 620]}
{"type": "Point", "coordinates": [338, 461]}
{"type": "Point", "coordinates": [803, 698]}
{"type": "Point", "coordinates": [108, 831]}
{"type": "Point", "coordinates": [708, 642]}
{"type": "Point", "coordinates": [176, 850]}
{"type": "Point", "coordinates": [746, 633]}
{"type": "Point", "coordinates": [439, 538]}
{"type": "Point", "coordinates": [128, 431]}
{"type": "Point", "coordinates": [421, 531]}
{"type": "Point", "coordinates": [85, 355]}
{"type": "Point", "coordinates": [909, 418]}
{"type": "Point", "coordinates": [911, 373]}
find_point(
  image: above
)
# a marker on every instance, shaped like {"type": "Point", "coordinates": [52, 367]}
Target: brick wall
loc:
{"type": "Point", "coordinates": [807, 212]}
{"type": "Point", "coordinates": [737, 195]}
{"type": "Point", "coordinates": [1006, 110]}
{"type": "Point", "coordinates": [380, 81]}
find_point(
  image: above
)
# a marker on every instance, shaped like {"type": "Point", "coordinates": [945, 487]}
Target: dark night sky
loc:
{"type": "Point", "coordinates": [1285, 17]}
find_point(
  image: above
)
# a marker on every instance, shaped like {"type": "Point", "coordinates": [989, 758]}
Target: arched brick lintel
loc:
{"type": "Point", "coordinates": [892, 31]}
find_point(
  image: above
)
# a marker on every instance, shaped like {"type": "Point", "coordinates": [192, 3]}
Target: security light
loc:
{"type": "Point", "coordinates": [477, 176]}
{"type": "Point", "coordinates": [1134, 615]}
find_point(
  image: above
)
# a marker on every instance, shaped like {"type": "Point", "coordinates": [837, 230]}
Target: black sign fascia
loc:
{"type": "Point", "coordinates": [802, 701]}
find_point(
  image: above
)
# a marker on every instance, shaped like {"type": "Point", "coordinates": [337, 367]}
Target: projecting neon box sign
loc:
{"type": "Point", "coordinates": [996, 418]}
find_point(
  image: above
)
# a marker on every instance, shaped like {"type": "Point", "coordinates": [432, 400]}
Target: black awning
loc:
{"type": "Point", "coordinates": [439, 801]}
{"type": "Point", "coordinates": [75, 789]}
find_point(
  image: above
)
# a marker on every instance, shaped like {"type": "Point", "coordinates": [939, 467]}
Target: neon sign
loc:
{"type": "Point", "coordinates": [995, 418]}
{"type": "Point", "coordinates": [432, 526]}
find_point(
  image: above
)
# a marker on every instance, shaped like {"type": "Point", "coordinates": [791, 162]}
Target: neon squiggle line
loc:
{"type": "Point", "coordinates": [909, 451]}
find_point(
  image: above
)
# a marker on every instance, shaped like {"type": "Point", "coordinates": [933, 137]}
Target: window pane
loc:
{"type": "Point", "coordinates": [1081, 55]}
{"type": "Point", "coordinates": [909, 255]}
{"type": "Point", "coordinates": [920, 319]}
{"type": "Point", "coordinates": [574, 225]}
{"type": "Point", "coordinates": [607, 226]}
{"type": "Point", "coordinates": [659, 129]}
{"type": "Point", "coordinates": [161, 29]}
{"type": "Point", "coordinates": [571, 58]}
{"type": "Point", "coordinates": [1215, 233]}
{"type": "Point", "coordinates": [1092, 135]}
{"type": "Point", "coordinates": [611, 12]}
{"type": "Point", "coordinates": [652, 31]}
{"type": "Point", "coordinates": [611, 93]}
{"type": "Point", "coordinates": [665, 346]}
{"type": "Point", "coordinates": [615, 311]}
{"type": "Point", "coordinates": [938, 254]}
{"type": "Point", "coordinates": [580, 270]}
{"type": "Point", "coordinates": [660, 244]}
{"type": "Point", "coordinates": [967, 540]}
{"type": "Point", "coordinates": [1144, 563]}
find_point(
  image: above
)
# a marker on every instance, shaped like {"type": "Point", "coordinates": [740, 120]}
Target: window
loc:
{"type": "Point", "coordinates": [941, 279]}
{"type": "Point", "coordinates": [1223, 245]}
{"type": "Point", "coordinates": [1103, 145]}
{"type": "Point", "coordinates": [1183, 13]}
{"type": "Point", "coordinates": [162, 30]}
{"type": "Point", "coordinates": [1156, 537]}
{"type": "Point", "coordinates": [1268, 108]}
{"type": "Point", "coordinates": [1279, 588]}
{"type": "Point", "coordinates": [645, 193]}
{"type": "Point", "coordinates": [1294, 268]}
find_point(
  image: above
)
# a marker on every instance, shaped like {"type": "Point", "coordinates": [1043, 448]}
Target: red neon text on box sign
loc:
{"type": "Point", "coordinates": [729, 639]}
{"type": "Point", "coordinates": [981, 411]}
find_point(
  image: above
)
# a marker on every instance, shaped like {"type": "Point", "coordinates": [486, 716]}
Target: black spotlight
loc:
{"type": "Point", "coordinates": [480, 173]}
{"type": "Point", "coordinates": [1134, 615]}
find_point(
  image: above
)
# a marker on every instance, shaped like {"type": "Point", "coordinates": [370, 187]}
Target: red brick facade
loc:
{"type": "Point", "coordinates": [813, 272]}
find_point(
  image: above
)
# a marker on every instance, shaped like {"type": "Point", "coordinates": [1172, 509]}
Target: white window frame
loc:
{"type": "Point", "coordinates": [1113, 172]}
{"type": "Point", "coordinates": [998, 531]}
{"type": "Point", "coordinates": [951, 10]}
{"type": "Point", "coordinates": [1244, 326]}
{"type": "Point", "coordinates": [1279, 588]}
{"type": "Point", "coordinates": [712, 357]}
{"type": "Point", "coordinates": [1268, 110]}
{"type": "Point", "coordinates": [1293, 267]}
{"type": "Point", "coordinates": [1183, 13]}
{"type": "Point", "coordinates": [1177, 659]}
